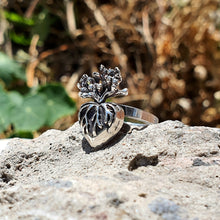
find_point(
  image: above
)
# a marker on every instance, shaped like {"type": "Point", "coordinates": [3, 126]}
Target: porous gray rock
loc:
{"type": "Point", "coordinates": [166, 171]}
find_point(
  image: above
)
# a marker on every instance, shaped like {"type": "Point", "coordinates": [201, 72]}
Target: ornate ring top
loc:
{"type": "Point", "coordinates": [101, 85]}
{"type": "Point", "coordinates": [101, 121]}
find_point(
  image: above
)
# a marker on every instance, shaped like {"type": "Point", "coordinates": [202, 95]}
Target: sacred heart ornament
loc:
{"type": "Point", "coordinates": [100, 122]}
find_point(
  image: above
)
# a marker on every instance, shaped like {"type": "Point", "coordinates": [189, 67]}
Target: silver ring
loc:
{"type": "Point", "coordinates": [100, 121]}
{"type": "Point", "coordinates": [137, 118]}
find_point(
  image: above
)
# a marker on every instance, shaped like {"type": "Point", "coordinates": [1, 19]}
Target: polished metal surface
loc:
{"type": "Point", "coordinates": [138, 119]}
{"type": "Point", "coordinates": [101, 121]}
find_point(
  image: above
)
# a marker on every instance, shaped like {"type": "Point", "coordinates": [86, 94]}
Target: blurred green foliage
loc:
{"type": "Point", "coordinates": [42, 25]}
{"type": "Point", "coordinates": [39, 24]}
{"type": "Point", "coordinates": [30, 111]}
{"type": "Point", "coordinates": [18, 21]}
{"type": "Point", "coordinates": [14, 17]}
{"type": "Point", "coordinates": [10, 70]}
{"type": "Point", "coordinates": [24, 110]}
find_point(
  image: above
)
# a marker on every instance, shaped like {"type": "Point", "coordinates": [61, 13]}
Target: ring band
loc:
{"type": "Point", "coordinates": [101, 121]}
{"type": "Point", "coordinates": [139, 115]}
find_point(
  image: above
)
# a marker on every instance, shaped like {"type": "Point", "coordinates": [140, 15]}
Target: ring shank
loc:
{"type": "Point", "coordinates": [145, 118]}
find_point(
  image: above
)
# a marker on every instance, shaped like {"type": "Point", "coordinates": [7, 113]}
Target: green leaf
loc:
{"type": "Point", "coordinates": [15, 98]}
{"type": "Point", "coordinates": [14, 17]}
{"type": "Point", "coordinates": [22, 134]}
{"type": "Point", "coordinates": [39, 108]}
{"type": "Point", "coordinates": [5, 107]}
{"type": "Point", "coordinates": [10, 70]}
{"type": "Point", "coordinates": [30, 115]}
{"type": "Point", "coordinates": [58, 103]}
{"type": "Point", "coordinates": [42, 26]}
{"type": "Point", "coordinates": [19, 38]}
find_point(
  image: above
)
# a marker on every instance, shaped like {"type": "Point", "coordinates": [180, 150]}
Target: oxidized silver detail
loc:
{"type": "Point", "coordinates": [101, 85]}
{"type": "Point", "coordinates": [101, 121]}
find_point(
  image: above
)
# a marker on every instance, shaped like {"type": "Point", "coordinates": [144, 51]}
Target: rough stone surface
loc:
{"type": "Point", "coordinates": [167, 171]}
